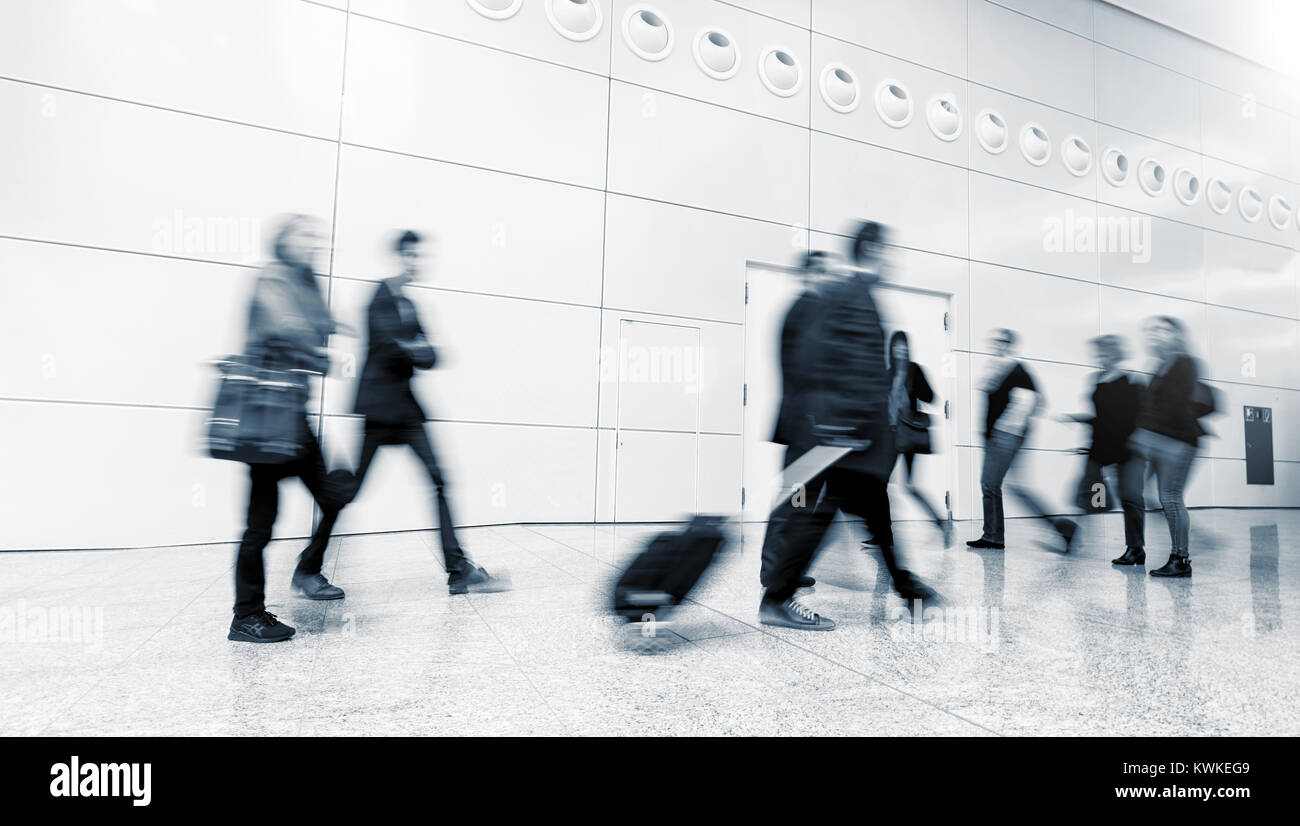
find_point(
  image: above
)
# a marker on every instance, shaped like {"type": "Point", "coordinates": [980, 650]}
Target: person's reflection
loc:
{"type": "Point", "coordinates": [1135, 593]}
{"type": "Point", "coordinates": [994, 579]}
{"type": "Point", "coordinates": [1264, 602]}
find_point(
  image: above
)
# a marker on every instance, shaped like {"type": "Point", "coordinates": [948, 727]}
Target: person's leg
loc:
{"type": "Point", "coordinates": [310, 468]}
{"type": "Point", "coordinates": [940, 520]}
{"type": "Point", "coordinates": [1174, 460]}
{"type": "Point", "coordinates": [452, 554]}
{"type": "Point", "coordinates": [1131, 475]}
{"type": "Point", "coordinates": [250, 573]}
{"type": "Point", "coordinates": [792, 540]}
{"type": "Point", "coordinates": [314, 554]}
{"type": "Point", "coordinates": [998, 453]}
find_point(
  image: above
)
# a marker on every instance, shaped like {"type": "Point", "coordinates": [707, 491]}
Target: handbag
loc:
{"type": "Point", "coordinates": [913, 432]}
{"type": "Point", "coordinates": [258, 416]}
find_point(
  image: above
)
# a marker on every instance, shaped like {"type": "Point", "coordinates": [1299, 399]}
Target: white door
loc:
{"type": "Point", "coordinates": [656, 460]}
{"type": "Point", "coordinates": [922, 315]}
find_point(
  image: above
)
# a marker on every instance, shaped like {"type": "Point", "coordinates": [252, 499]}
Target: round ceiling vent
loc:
{"type": "Point", "coordinates": [1076, 155]}
{"type": "Point", "coordinates": [1151, 176]}
{"type": "Point", "coordinates": [495, 9]}
{"type": "Point", "coordinates": [840, 88]}
{"type": "Point", "coordinates": [780, 71]}
{"type": "Point", "coordinates": [647, 33]}
{"type": "Point", "coordinates": [1114, 167]}
{"type": "Point", "coordinates": [1250, 204]}
{"type": "Point", "coordinates": [991, 131]}
{"type": "Point", "coordinates": [716, 54]}
{"type": "Point", "coordinates": [1187, 187]}
{"type": "Point", "coordinates": [1034, 144]}
{"type": "Point", "coordinates": [1279, 212]}
{"type": "Point", "coordinates": [944, 117]}
{"type": "Point", "coordinates": [893, 103]}
{"type": "Point", "coordinates": [1218, 195]}
{"type": "Point", "coordinates": [575, 19]}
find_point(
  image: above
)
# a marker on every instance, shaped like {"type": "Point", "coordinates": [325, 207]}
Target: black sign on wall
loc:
{"type": "Point", "coordinates": [1259, 445]}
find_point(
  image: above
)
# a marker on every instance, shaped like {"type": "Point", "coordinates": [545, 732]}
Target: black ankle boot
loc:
{"type": "Point", "coordinates": [1176, 566]}
{"type": "Point", "coordinates": [1131, 556]}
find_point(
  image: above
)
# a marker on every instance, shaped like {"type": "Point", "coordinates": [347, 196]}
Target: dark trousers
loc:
{"type": "Point", "coordinates": [378, 435]}
{"type": "Point", "coordinates": [1131, 474]}
{"type": "Point", "coordinates": [796, 537]}
{"type": "Point", "coordinates": [263, 505]}
{"type": "Point", "coordinates": [916, 494]}
{"type": "Point", "coordinates": [999, 455]}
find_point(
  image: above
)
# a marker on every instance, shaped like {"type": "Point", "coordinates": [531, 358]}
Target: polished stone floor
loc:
{"type": "Point", "coordinates": [1028, 641]}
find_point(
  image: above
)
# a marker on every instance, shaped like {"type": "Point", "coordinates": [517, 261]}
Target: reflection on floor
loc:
{"type": "Point", "coordinates": [1029, 641]}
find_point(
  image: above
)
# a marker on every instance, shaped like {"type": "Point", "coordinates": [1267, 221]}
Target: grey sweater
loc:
{"type": "Point", "coordinates": [288, 317]}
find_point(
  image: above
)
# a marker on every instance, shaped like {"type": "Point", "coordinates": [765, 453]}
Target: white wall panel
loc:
{"type": "Point", "coordinates": [414, 92]}
{"type": "Point", "coordinates": [1027, 57]}
{"type": "Point", "coordinates": [106, 174]}
{"type": "Point", "coordinates": [1054, 316]}
{"type": "Point", "coordinates": [486, 232]}
{"type": "Point", "coordinates": [1250, 275]}
{"type": "Point", "coordinates": [1233, 221]}
{"type": "Point", "coordinates": [923, 202]}
{"type": "Point", "coordinates": [1130, 194]}
{"type": "Point", "coordinates": [931, 33]}
{"type": "Point", "coordinates": [1252, 348]}
{"type": "Point", "coordinates": [678, 150]}
{"type": "Point", "coordinates": [1074, 15]}
{"type": "Point", "coordinates": [1124, 313]}
{"type": "Point", "coordinates": [720, 478]}
{"type": "Point", "coordinates": [1023, 226]}
{"type": "Point", "coordinates": [1018, 114]}
{"type": "Point", "coordinates": [1237, 128]}
{"type": "Point", "coordinates": [798, 12]}
{"type": "Point", "coordinates": [1229, 436]}
{"type": "Point", "coordinates": [1151, 254]}
{"type": "Point", "coordinates": [1142, 97]}
{"type": "Point", "coordinates": [276, 63]}
{"type": "Point", "coordinates": [499, 359]}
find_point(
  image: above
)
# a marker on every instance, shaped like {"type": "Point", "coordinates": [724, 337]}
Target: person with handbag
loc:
{"type": "Point", "coordinates": [397, 347]}
{"type": "Point", "coordinates": [1168, 431]}
{"type": "Point", "coordinates": [1116, 399]}
{"type": "Point", "coordinates": [289, 327]}
{"type": "Point", "coordinates": [1011, 402]}
{"type": "Point", "coordinates": [908, 388]}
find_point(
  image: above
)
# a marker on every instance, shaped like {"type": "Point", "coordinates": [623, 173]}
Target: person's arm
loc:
{"type": "Point", "coordinates": [284, 328]}
{"type": "Point", "coordinates": [384, 324]}
{"type": "Point", "coordinates": [920, 385]}
{"type": "Point", "coordinates": [418, 348]}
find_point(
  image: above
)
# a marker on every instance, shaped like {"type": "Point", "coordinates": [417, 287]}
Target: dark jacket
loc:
{"type": "Point", "coordinates": [288, 321]}
{"type": "Point", "coordinates": [998, 399]}
{"type": "Point", "coordinates": [793, 379]}
{"type": "Point", "coordinates": [384, 393]}
{"type": "Point", "coordinates": [1116, 403]}
{"type": "Point", "coordinates": [917, 386]}
{"type": "Point", "coordinates": [1167, 406]}
{"type": "Point", "coordinates": [844, 356]}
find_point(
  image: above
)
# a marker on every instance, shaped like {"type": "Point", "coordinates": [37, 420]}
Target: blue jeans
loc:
{"type": "Point", "coordinates": [999, 454]}
{"type": "Point", "coordinates": [1172, 461]}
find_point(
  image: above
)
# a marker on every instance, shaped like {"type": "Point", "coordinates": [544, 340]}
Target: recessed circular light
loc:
{"type": "Point", "coordinates": [893, 103]}
{"type": "Point", "coordinates": [1151, 176]}
{"type": "Point", "coordinates": [1250, 204]}
{"type": "Point", "coordinates": [944, 117]}
{"type": "Point", "coordinates": [780, 71]}
{"type": "Point", "coordinates": [575, 19]}
{"type": "Point", "coordinates": [1114, 166]}
{"type": "Point", "coordinates": [840, 88]}
{"type": "Point", "coordinates": [991, 131]}
{"type": "Point", "coordinates": [1187, 187]}
{"type": "Point", "coordinates": [1218, 195]}
{"type": "Point", "coordinates": [496, 9]}
{"type": "Point", "coordinates": [1034, 144]}
{"type": "Point", "coordinates": [647, 33]}
{"type": "Point", "coordinates": [1076, 155]}
{"type": "Point", "coordinates": [716, 54]}
{"type": "Point", "coordinates": [1279, 212]}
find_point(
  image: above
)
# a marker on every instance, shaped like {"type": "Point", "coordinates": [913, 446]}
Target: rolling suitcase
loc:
{"type": "Point", "coordinates": [664, 573]}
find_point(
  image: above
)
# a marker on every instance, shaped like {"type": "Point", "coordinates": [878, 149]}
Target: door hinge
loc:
{"type": "Point", "coordinates": [744, 395]}
{"type": "Point", "coordinates": [945, 320]}
{"type": "Point", "coordinates": [742, 497]}
{"type": "Point", "coordinates": [947, 501]}
{"type": "Point", "coordinates": [946, 411]}
{"type": "Point", "coordinates": [746, 292]}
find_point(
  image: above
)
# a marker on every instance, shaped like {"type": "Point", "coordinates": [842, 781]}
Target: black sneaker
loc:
{"type": "Point", "coordinates": [315, 586]}
{"type": "Point", "coordinates": [910, 587]}
{"type": "Point", "coordinates": [793, 614]}
{"type": "Point", "coordinates": [259, 627]}
{"type": "Point", "coordinates": [476, 579]}
{"type": "Point", "coordinates": [1176, 566]}
{"type": "Point", "coordinates": [805, 581]}
{"type": "Point", "coordinates": [1131, 556]}
{"type": "Point", "coordinates": [985, 543]}
{"type": "Point", "coordinates": [1067, 529]}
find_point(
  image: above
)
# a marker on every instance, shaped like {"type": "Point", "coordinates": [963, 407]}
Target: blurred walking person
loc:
{"type": "Point", "coordinates": [1011, 402]}
{"type": "Point", "coordinates": [798, 319]}
{"type": "Point", "coordinates": [397, 346]}
{"type": "Point", "coordinates": [1168, 431]}
{"type": "Point", "coordinates": [1116, 401]}
{"type": "Point", "coordinates": [844, 402]}
{"type": "Point", "coordinates": [289, 327]}
{"type": "Point", "coordinates": [908, 387]}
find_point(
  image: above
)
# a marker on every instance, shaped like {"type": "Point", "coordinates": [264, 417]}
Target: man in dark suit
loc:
{"type": "Point", "coordinates": [843, 400]}
{"type": "Point", "coordinates": [397, 347]}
